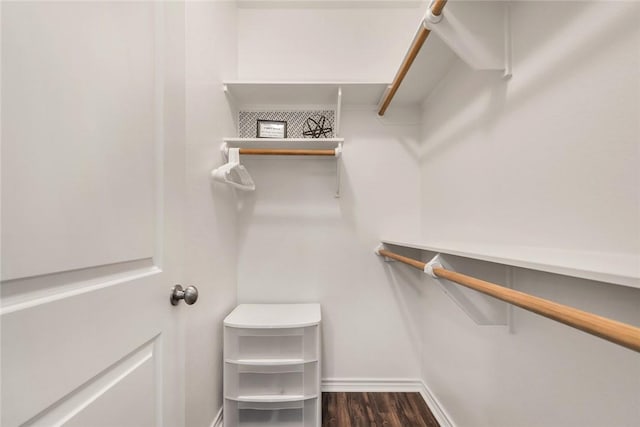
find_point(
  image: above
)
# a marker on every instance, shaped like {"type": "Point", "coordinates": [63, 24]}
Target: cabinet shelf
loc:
{"type": "Point", "coordinates": [272, 398]}
{"type": "Point", "coordinates": [270, 362]}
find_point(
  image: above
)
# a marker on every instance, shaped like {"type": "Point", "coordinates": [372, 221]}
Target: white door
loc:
{"type": "Point", "coordinates": [92, 155]}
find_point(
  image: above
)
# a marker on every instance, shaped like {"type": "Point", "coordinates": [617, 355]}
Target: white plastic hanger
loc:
{"type": "Point", "coordinates": [233, 173]}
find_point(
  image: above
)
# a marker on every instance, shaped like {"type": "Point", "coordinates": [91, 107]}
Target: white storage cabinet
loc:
{"type": "Point", "coordinates": [272, 366]}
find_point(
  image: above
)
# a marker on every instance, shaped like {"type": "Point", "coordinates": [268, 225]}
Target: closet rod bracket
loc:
{"type": "Point", "coordinates": [436, 262]}
{"type": "Point", "coordinates": [338, 154]}
{"type": "Point", "coordinates": [224, 149]}
{"type": "Point", "coordinates": [430, 19]}
{"type": "Point", "coordinates": [377, 252]}
{"type": "Point", "coordinates": [480, 308]}
{"type": "Point", "coordinates": [479, 33]}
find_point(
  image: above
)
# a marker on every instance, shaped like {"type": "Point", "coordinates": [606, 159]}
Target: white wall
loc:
{"type": "Point", "coordinates": [310, 42]}
{"type": "Point", "coordinates": [210, 249]}
{"type": "Point", "coordinates": [297, 243]}
{"type": "Point", "coordinates": [560, 138]}
{"type": "Point", "coordinates": [548, 159]}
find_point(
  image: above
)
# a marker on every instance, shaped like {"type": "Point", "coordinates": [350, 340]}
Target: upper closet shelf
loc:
{"type": "Point", "coordinates": [250, 93]}
{"type": "Point", "coordinates": [477, 32]}
{"type": "Point", "coordinates": [618, 268]}
{"type": "Point", "coordinates": [428, 69]}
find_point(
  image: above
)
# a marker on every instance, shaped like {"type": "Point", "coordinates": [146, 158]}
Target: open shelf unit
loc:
{"type": "Point", "coordinates": [295, 103]}
{"type": "Point", "coordinates": [617, 268]}
{"type": "Point", "coordinates": [272, 365]}
{"type": "Point", "coordinates": [252, 96]}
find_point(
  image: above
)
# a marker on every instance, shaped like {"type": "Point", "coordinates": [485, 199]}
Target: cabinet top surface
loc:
{"type": "Point", "coordinates": [274, 316]}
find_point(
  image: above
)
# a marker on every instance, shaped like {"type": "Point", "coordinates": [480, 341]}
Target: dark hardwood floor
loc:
{"type": "Point", "coordinates": [376, 410]}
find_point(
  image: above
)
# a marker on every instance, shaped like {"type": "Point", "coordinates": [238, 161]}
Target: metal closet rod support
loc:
{"type": "Point", "coordinates": [611, 330]}
{"type": "Point", "coordinates": [433, 14]}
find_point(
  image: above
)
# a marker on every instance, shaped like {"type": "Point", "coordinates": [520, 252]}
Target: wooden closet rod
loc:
{"type": "Point", "coordinates": [617, 332]}
{"type": "Point", "coordinates": [418, 41]}
{"type": "Point", "coordinates": [286, 152]}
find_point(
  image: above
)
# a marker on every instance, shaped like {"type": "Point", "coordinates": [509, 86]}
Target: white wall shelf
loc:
{"type": "Point", "coordinates": [477, 33]}
{"type": "Point", "coordinates": [429, 68]}
{"type": "Point", "coordinates": [253, 93]}
{"type": "Point", "coordinates": [617, 268]}
{"type": "Point", "coordinates": [300, 96]}
{"type": "Point", "coordinates": [245, 96]}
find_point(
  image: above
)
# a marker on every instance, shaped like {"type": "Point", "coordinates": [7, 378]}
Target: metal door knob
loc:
{"type": "Point", "coordinates": [189, 295]}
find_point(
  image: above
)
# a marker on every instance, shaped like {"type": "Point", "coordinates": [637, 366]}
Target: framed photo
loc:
{"type": "Point", "coordinates": [272, 129]}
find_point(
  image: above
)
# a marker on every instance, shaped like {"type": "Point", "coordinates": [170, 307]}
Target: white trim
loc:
{"type": "Point", "coordinates": [390, 385]}
{"type": "Point", "coordinates": [217, 420]}
{"type": "Point", "coordinates": [11, 305]}
{"type": "Point", "coordinates": [438, 411]}
{"type": "Point", "coordinates": [371, 384]}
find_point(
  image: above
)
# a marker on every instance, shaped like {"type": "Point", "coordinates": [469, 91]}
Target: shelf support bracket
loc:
{"type": "Point", "coordinates": [224, 149]}
{"type": "Point", "coordinates": [482, 309]}
{"type": "Point", "coordinates": [338, 111]}
{"type": "Point", "coordinates": [233, 105]}
{"type": "Point", "coordinates": [478, 32]}
{"type": "Point", "coordinates": [377, 252]}
{"type": "Point", "coordinates": [338, 151]}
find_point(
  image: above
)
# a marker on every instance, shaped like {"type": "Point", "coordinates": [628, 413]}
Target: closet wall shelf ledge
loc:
{"type": "Point", "coordinates": [297, 93]}
{"type": "Point", "coordinates": [616, 268]}
{"type": "Point", "coordinates": [478, 33]}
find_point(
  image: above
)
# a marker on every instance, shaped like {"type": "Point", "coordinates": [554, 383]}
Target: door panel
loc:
{"type": "Point", "coordinates": [106, 401]}
{"type": "Point", "coordinates": [92, 181]}
{"type": "Point", "coordinates": [78, 101]}
{"type": "Point", "coordinates": [53, 348]}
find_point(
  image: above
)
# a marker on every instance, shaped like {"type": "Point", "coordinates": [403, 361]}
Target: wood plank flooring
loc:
{"type": "Point", "coordinates": [376, 410]}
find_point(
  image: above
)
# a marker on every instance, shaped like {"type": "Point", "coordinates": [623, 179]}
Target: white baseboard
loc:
{"type": "Point", "coordinates": [371, 384]}
{"type": "Point", "coordinates": [390, 385]}
{"type": "Point", "coordinates": [217, 421]}
{"type": "Point", "coordinates": [437, 409]}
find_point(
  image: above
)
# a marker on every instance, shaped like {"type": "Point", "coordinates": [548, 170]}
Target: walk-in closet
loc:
{"type": "Point", "coordinates": [320, 213]}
